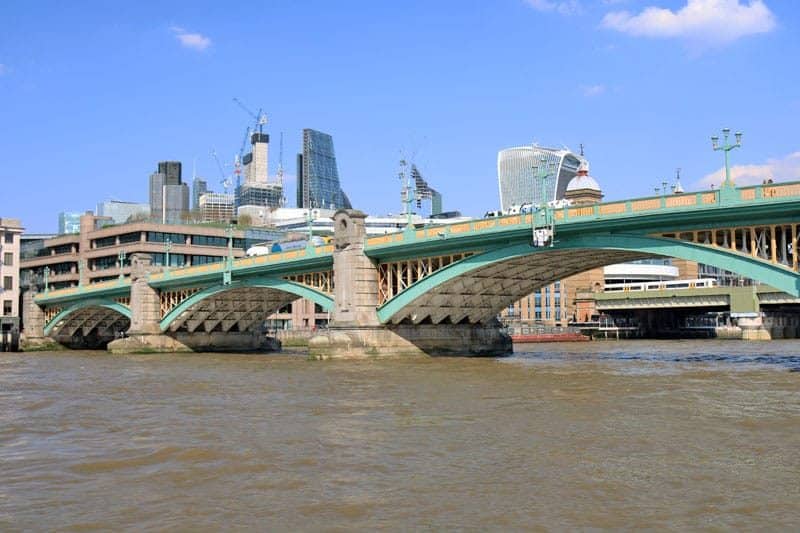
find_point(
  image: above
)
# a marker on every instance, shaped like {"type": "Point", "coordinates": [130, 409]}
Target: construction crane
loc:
{"type": "Point", "coordinates": [237, 162]}
{"type": "Point", "coordinates": [260, 117]}
{"type": "Point", "coordinates": [280, 161]}
{"type": "Point", "coordinates": [225, 181]}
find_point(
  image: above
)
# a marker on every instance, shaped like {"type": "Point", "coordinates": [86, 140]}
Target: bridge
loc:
{"type": "Point", "coordinates": [435, 290]}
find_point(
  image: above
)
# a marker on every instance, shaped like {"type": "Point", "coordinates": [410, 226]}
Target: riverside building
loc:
{"type": "Point", "coordinates": [93, 255]}
{"type": "Point", "coordinates": [10, 231]}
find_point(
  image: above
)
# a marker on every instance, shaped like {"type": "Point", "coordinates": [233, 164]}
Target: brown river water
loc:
{"type": "Point", "coordinates": [606, 435]}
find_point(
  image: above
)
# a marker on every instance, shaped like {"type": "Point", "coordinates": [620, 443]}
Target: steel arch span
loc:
{"type": "Point", "coordinates": [244, 303]}
{"type": "Point", "coordinates": [478, 287]}
{"type": "Point", "coordinates": [90, 312]}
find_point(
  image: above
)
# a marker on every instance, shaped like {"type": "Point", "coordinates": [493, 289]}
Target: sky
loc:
{"type": "Point", "coordinates": [94, 94]}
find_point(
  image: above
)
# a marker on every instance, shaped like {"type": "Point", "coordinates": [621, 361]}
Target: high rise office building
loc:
{"type": "Point", "coordinates": [317, 176]}
{"type": "Point", "coordinates": [69, 222]}
{"type": "Point", "coordinates": [169, 197]}
{"type": "Point", "coordinates": [426, 192]}
{"type": "Point", "coordinates": [256, 162]}
{"type": "Point", "coordinates": [122, 212]}
{"type": "Point", "coordinates": [171, 171]}
{"type": "Point", "coordinates": [257, 191]}
{"type": "Point", "coordinates": [199, 188]}
{"type": "Point", "coordinates": [519, 170]}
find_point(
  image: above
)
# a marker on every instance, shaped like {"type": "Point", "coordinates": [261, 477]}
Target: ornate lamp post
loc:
{"type": "Point", "coordinates": [310, 225]}
{"type": "Point", "coordinates": [227, 274]}
{"type": "Point", "coordinates": [167, 248]}
{"type": "Point", "coordinates": [121, 262]}
{"type": "Point", "coordinates": [46, 279]}
{"type": "Point", "coordinates": [542, 208]}
{"type": "Point", "coordinates": [726, 147]}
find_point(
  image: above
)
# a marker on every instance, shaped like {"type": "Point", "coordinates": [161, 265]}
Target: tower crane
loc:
{"type": "Point", "coordinates": [225, 181]}
{"type": "Point", "coordinates": [260, 117]}
{"type": "Point", "coordinates": [280, 161]}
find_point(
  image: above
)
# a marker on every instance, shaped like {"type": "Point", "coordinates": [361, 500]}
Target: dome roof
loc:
{"type": "Point", "coordinates": [583, 180]}
{"type": "Point", "coordinates": [580, 183]}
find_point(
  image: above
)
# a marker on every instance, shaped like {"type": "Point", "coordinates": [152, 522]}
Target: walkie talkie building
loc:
{"type": "Point", "coordinates": [518, 171]}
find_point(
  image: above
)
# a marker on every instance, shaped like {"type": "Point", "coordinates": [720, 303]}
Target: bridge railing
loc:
{"type": "Point", "coordinates": [243, 263]}
{"type": "Point", "coordinates": [83, 290]}
{"type": "Point", "coordinates": [607, 210]}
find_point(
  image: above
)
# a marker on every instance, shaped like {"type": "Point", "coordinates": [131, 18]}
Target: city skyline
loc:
{"type": "Point", "coordinates": [643, 93]}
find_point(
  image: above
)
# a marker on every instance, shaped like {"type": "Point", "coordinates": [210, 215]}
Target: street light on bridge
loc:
{"type": "Point", "coordinates": [726, 147]}
{"type": "Point", "coordinates": [542, 236]}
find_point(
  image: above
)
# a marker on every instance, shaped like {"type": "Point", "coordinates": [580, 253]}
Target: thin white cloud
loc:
{"type": "Point", "coordinates": [593, 90]}
{"type": "Point", "coordinates": [786, 168]}
{"type": "Point", "coordinates": [709, 22]}
{"type": "Point", "coordinates": [194, 41]}
{"type": "Point", "coordinates": [564, 7]}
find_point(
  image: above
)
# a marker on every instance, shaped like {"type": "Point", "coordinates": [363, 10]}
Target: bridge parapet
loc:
{"type": "Point", "coordinates": [652, 212]}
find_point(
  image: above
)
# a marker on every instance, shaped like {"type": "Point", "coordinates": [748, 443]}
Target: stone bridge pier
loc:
{"type": "Point", "coordinates": [144, 334]}
{"type": "Point", "coordinates": [355, 330]}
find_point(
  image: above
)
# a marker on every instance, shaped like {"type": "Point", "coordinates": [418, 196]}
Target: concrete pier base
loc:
{"type": "Point", "coordinates": [147, 344]}
{"type": "Point", "coordinates": [410, 340]}
{"type": "Point", "coordinates": [195, 342]}
{"type": "Point", "coordinates": [753, 329]}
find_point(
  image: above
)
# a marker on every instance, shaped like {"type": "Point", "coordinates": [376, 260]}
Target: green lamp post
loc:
{"type": "Point", "coordinates": [726, 147]}
{"type": "Point", "coordinates": [121, 262]}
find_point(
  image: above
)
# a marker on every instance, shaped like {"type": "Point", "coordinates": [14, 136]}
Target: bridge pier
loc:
{"type": "Point", "coordinates": [144, 334]}
{"type": "Point", "coordinates": [355, 330]}
{"type": "Point", "coordinates": [32, 337]}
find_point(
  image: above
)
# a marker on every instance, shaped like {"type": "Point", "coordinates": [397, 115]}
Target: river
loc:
{"type": "Point", "coordinates": [621, 434]}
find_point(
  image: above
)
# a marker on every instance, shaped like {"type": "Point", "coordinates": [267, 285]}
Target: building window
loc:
{"type": "Point", "coordinates": [9, 238]}
{"type": "Point", "coordinates": [126, 238]}
{"type": "Point", "coordinates": [8, 259]}
{"type": "Point", "coordinates": [8, 283]}
{"type": "Point", "coordinates": [63, 249]}
{"type": "Point", "coordinates": [105, 242]}
{"type": "Point", "coordinates": [6, 307]}
{"type": "Point", "coordinates": [174, 238]}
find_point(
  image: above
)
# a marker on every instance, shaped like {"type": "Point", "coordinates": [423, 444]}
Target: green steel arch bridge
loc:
{"type": "Point", "coordinates": [437, 277]}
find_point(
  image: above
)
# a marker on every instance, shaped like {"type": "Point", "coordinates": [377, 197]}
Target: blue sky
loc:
{"type": "Point", "coordinates": [93, 94]}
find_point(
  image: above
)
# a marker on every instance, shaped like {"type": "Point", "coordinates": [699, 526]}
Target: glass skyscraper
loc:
{"type": "Point", "coordinates": [317, 175]}
{"type": "Point", "coordinates": [518, 171]}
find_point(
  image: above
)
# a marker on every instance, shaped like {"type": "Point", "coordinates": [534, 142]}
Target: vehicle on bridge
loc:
{"type": "Point", "coordinates": [266, 248]}
{"type": "Point", "coordinates": [661, 285]}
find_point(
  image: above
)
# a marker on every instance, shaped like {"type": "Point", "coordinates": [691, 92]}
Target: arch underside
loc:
{"type": "Point", "coordinates": [96, 319]}
{"type": "Point", "coordinates": [478, 295]}
{"type": "Point", "coordinates": [238, 309]}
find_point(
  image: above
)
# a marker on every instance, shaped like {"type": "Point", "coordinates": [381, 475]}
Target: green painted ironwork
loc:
{"type": "Point", "coordinates": [108, 304]}
{"type": "Point", "coordinates": [325, 301]}
{"type": "Point", "coordinates": [774, 275]}
{"type": "Point", "coordinates": [725, 148]}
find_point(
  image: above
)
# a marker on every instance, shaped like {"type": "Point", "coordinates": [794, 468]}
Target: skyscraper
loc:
{"type": "Point", "coordinates": [317, 176]}
{"type": "Point", "coordinates": [169, 197]}
{"type": "Point", "coordinates": [122, 212]}
{"type": "Point", "coordinates": [199, 188]}
{"type": "Point", "coordinates": [69, 222]}
{"type": "Point", "coordinates": [171, 171]}
{"type": "Point", "coordinates": [256, 162]}
{"type": "Point", "coordinates": [426, 192]}
{"type": "Point", "coordinates": [519, 170]}
{"type": "Point", "coordinates": [256, 189]}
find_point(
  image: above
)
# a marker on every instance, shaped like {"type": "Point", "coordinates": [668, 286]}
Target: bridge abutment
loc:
{"type": "Point", "coordinates": [355, 330]}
